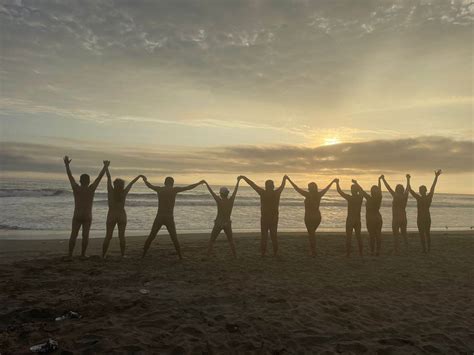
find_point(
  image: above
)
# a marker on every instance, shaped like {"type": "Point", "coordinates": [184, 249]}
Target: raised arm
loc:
{"type": "Point", "coordinates": [213, 194]}
{"type": "Point", "coordinates": [365, 194]}
{"type": "Point", "coordinates": [253, 185]}
{"type": "Point", "coordinates": [67, 162]}
{"type": "Point", "coordinates": [342, 193]}
{"type": "Point", "coordinates": [101, 174]}
{"type": "Point", "coordinates": [282, 186]}
{"type": "Point", "coordinates": [189, 187]}
{"type": "Point", "coordinates": [150, 186]}
{"type": "Point", "coordinates": [235, 190]}
{"type": "Point", "coordinates": [408, 188]}
{"type": "Point", "coordinates": [109, 180]}
{"type": "Point", "coordinates": [298, 189]}
{"type": "Point", "coordinates": [387, 185]}
{"type": "Point", "coordinates": [326, 189]}
{"type": "Point", "coordinates": [435, 181]}
{"type": "Point", "coordinates": [413, 193]}
{"type": "Point", "coordinates": [130, 184]}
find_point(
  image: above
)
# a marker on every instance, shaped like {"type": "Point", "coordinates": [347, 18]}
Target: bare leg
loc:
{"type": "Point", "coordinates": [108, 236]}
{"type": "Point", "coordinates": [421, 231]}
{"type": "Point", "coordinates": [154, 231]}
{"type": "Point", "coordinates": [86, 226]}
{"type": "Point", "coordinates": [358, 234]}
{"type": "Point", "coordinates": [74, 232]}
{"type": "Point", "coordinates": [264, 238]}
{"type": "Point", "coordinates": [348, 239]}
{"type": "Point", "coordinates": [174, 237]}
{"type": "Point", "coordinates": [214, 234]}
{"type": "Point", "coordinates": [121, 232]}
{"type": "Point", "coordinates": [403, 228]}
{"type": "Point", "coordinates": [396, 238]}
{"type": "Point", "coordinates": [312, 241]}
{"type": "Point", "coordinates": [372, 242]}
{"type": "Point", "coordinates": [378, 241]}
{"type": "Point", "coordinates": [428, 234]}
{"type": "Point", "coordinates": [274, 236]}
{"type": "Point", "coordinates": [228, 233]}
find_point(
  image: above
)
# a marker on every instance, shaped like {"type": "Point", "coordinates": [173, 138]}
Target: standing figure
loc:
{"type": "Point", "coordinates": [165, 216]}
{"type": "Point", "coordinates": [269, 206]}
{"type": "Point", "coordinates": [423, 220]}
{"type": "Point", "coordinates": [373, 216]}
{"type": "Point", "coordinates": [224, 211]}
{"type": "Point", "coordinates": [83, 200]}
{"type": "Point", "coordinates": [116, 195]}
{"type": "Point", "coordinates": [353, 223]}
{"type": "Point", "coordinates": [399, 214]}
{"type": "Point", "coordinates": [312, 214]}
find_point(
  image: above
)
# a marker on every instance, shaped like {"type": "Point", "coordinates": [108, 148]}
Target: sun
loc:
{"type": "Point", "coordinates": [331, 141]}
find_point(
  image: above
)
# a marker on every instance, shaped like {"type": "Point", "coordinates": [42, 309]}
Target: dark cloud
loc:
{"type": "Point", "coordinates": [420, 154]}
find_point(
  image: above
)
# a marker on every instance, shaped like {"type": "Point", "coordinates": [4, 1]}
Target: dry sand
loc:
{"type": "Point", "coordinates": [411, 303]}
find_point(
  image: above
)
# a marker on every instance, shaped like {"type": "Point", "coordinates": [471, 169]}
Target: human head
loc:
{"type": "Point", "coordinates": [224, 192]}
{"type": "Point", "coordinates": [399, 189]}
{"type": "Point", "coordinates": [354, 190]}
{"type": "Point", "coordinates": [423, 190]}
{"type": "Point", "coordinates": [119, 184]}
{"type": "Point", "coordinates": [374, 190]}
{"type": "Point", "coordinates": [269, 185]}
{"type": "Point", "coordinates": [169, 181]}
{"type": "Point", "coordinates": [312, 187]}
{"type": "Point", "coordinates": [85, 179]}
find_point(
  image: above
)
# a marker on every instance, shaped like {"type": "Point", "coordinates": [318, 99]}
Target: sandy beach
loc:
{"type": "Point", "coordinates": [411, 303]}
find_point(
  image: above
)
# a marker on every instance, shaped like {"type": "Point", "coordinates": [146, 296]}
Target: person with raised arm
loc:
{"type": "Point", "coordinates": [312, 214]}
{"type": "Point", "coordinates": [373, 216]}
{"type": "Point", "coordinates": [353, 223]}
{"type": "Point", "coordinates": [224, 211]}
{"type": "Point", "coordinates": [116, 196]}
{"type": "Point", "coordinates": [269, 206]}
{"type": "Point", "coordinates": [83, 200]}
{"type": "Point", "coordinates": [165, 216]}
{"type": "Point", "coordinates": [399, 214]}
{"type": "Point", "coordinates": [423, 219]}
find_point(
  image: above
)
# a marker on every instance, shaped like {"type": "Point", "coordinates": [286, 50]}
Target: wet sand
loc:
{"type": "Point", "coordinates": [411, 303]}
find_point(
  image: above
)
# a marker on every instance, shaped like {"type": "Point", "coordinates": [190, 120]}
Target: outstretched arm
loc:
{"type": "Point", "coordinates": [437, 174]}
{"type": "Point", "coordinates": [109, 180]}
{"type": "Point", "coordinates": [213, 194]}
{"type": "Point", "coordinates": [342, 193]}
{"type": "Point", "coordinates": [150, 186]}
{"type": "Point", "coordinates": [365, 194]}
{"type": "Point", "coordinates": [130, 184]}
{"type": "Point", "coordinates": [326, 189]}
{"type": "Point", "coordinates": [67, 162]}
{"type": "Point", "coordinates": [235, 190]}
{"type": "Point", "coordinates": [298, 189]}
{"type": "Point", "coordinates": [387, 185]}
{"type": "Point", "coordinates": [189, 187]}
{"type": "Point", "coordinates": [101, 174]}
{"type": "Point", "coordinates": [253, 185]}
{"type": "Point", "coordinates": [282, 186]}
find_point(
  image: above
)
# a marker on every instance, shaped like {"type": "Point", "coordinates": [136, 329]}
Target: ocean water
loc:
{"type": "Point", "coordinates": [48, 206]}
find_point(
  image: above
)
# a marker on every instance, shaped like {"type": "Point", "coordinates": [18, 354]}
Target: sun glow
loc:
{"type": "Point", "coordinates": [331, 141]}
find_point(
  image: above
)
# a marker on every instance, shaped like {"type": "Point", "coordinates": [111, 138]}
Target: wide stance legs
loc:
{"type": "Point", "coordinates": [108, 236]}
{"type": "Point", "coordinates": [353, 226]}
{"type": "Point", "coordinates": [168, 222]}
{"type": "Point", "coordinates": [227, 228]}
{"type": "Point", "coordinates": [76, 225]}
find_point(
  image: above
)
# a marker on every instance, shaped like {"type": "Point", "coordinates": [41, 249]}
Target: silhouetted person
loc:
{"type": "Point", "coordinates": [83, 200]}
{"type": "Point", "coordinates": [165, 216]}
{"type": "Point", "coordinates": [373, 216]}
{"type": "Point", "coordinates": [224, 211]}
{"type": "Point", "coordinates": [423, 220]}
{"type": "Point", "coordinates": [399, 214]}
{"type": "Point", "coordinates": [116, 195]}
{"type": "Point", "coordinates": [353, 222]}
{"type": "Point", "coordinates": [312, 214]}
{"type": "Point", "coordinates": [269, 205]}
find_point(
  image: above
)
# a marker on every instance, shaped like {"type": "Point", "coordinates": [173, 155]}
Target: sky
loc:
{"type": "Point", "coordinates": [215, 89]}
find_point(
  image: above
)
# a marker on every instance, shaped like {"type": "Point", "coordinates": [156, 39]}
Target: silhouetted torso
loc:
{"type": "Point", "coordinates": [372, 206]}
{"type": "Point", "coordinates": [311, 204]}
{"type": "Point", "coordinates": [269, 202]}
{"type": "Point", "coordinates": [354, 206]}
{"type": "Point", "coordinates": [224, 209]}
{"type": "Point", "coordinates": [116, 200]}
{"type": "Point", "coordinates": [83, 199]}
{"type": "Point", "coordinates": [423, 205]}
{"type": "Point", "coordinates": [166, 201]}
{"type": "Point", "coordinates": [399, 205]}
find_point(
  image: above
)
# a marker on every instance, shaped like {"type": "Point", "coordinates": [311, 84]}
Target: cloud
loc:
{"type": "Point", "coordinates": [419, 154]}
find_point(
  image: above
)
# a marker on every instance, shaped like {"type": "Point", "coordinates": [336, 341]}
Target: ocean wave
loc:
{"type": "Point", "coordinates": [33, 192]}
{"type": "Point", "coordinates": [10, 228]}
